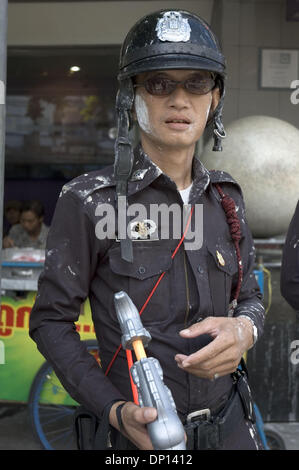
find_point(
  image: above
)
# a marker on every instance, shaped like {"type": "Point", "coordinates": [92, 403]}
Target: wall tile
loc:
{"type": "Point", "coordinates": [289, 31]}
{"type": "Point", "coordinates": [249, 67]}
{"type": "Point", "coordinates": [233, 68]}
{"type": "Point", "coordinates": [247, 21]}
{"type": "Point", "coordinates": [260, 23]}
{"type": "Point", "coordinates": [287, 110]}
{"type": "Point", "coordinates": [231, 22]}
{"type": "Point", "coordinates": [231, 106]}
{"type": "Point", "coordinates": [258, 102]}
{"type": "Point", "coordinates": [268, 24]}
{"type": "Point", "coordinates": [247, 26]}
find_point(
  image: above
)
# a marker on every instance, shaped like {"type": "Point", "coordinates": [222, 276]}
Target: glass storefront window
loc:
{"type": "Point", "coordinates": [60, 110]}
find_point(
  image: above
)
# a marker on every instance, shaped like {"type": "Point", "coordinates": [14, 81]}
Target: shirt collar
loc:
{"type": "Point", "coordinates": [145, 171]}
{"type": "Point", "coordinates": [201, 180]}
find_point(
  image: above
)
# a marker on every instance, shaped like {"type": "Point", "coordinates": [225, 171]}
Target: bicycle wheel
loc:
{"type": "Point", "coordinates": [274, 440]}
{"type": "Point", "coordinates": [51, 408]}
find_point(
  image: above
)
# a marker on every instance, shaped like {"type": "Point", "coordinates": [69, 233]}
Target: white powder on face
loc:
{"type": "Point", "coordinates": [142, 114]}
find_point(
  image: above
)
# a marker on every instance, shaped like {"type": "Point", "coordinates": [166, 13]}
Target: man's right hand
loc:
{"type": "Point", "coordinates": [134, 421]}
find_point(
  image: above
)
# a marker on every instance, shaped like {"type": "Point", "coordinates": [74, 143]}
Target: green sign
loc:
{"type": "Point", "coordinates": [19, 358]}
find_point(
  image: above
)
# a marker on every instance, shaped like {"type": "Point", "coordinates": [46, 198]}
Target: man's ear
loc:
{"type": "Point", "coordinates": [215, 98]}
{"type": "Point", "coordinates": [133, 113]}
{"type": "Point", "coordinates": [214, 103]}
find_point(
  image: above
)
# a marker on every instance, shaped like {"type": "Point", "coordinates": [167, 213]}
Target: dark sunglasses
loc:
{"type": "Point", "coordinates": [163, 86]}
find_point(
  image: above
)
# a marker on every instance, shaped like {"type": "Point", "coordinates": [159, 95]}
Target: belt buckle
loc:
{"type": "Point", "coordinates": [205, 414]}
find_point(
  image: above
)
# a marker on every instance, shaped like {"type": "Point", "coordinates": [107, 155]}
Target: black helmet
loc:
{"type": "Point", "coordinates": [167, 39]}
{"type": "Point", "coordinates": [173, 39]}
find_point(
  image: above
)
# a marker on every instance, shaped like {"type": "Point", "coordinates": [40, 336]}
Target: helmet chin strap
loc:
{"type": "Point", "coordinates": [124, 158]}
{"type": "Point", "coordinates": [215, 116]}
{"type": "Point", "coordinates": [219, 131]}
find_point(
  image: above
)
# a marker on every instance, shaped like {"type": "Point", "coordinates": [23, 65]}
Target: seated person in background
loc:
{"type": "Point", "coordinates": [289, 281]}
{"type": "Point", "coordinates": [31, 231]}
{"type": "Point", "coordinates": [12, 214]}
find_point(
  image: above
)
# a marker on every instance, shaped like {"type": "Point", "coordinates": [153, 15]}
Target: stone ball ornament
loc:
{"type": "Point", "coordinates": [262, 154]}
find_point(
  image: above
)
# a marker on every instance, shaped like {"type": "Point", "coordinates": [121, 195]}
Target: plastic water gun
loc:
{"type": "Point", "coordinates": [167, 431]}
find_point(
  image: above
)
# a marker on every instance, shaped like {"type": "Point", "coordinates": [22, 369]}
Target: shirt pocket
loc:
{"type": "Point", "coordinates": [222, 267]}
{"type": "Point", "coordinates": [139, 278]}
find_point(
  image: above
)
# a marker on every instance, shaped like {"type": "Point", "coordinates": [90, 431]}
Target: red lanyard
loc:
{"type": "Point", "coordinates": [128, 352]}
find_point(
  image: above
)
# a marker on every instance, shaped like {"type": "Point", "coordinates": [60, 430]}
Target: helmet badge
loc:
{"type": "Point", "coordinates": [173, 27]}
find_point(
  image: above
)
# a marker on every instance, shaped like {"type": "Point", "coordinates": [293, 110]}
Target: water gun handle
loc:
{"type": "Point", "coordinates": [167, 431]}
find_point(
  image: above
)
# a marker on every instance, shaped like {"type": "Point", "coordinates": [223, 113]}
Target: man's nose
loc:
{"type": "Point", "coordinates": [179, 97]}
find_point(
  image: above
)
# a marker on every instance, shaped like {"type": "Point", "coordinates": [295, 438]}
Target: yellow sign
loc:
{"type": "Point", "coordinates": [19, 358]}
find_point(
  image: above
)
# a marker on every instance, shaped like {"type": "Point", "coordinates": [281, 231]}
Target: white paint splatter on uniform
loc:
{"type": "Point", "coordinates": [71, 271]}
{"type": "Point", "coordinates": [103, 179]}
{"type": "Point", "coordinates": [51, 252]}
{"type": "Point", "coordinates": [253, 434]}
{"type": "Point", "coordinates": [64, 190]}
{"type": "Point", "coordinates": [139, 174]}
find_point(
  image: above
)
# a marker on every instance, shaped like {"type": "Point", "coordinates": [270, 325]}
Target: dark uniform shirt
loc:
{"type": "Point", "coordinates": [198, 283]}
{"type": "Point", "coordinates": [290, 263]}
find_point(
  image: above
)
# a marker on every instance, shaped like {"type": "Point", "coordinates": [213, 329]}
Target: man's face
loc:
{"type": "Point", "coordinates": [176, 120]}
{"type": "Point", "coordinates": [30, 222]}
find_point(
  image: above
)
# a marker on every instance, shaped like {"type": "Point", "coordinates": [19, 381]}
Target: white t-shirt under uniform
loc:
{"type": "Point", "coordinates": [185, 194]}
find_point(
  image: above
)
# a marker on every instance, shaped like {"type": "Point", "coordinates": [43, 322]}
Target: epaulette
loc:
{"type": "Point", "coordinates": [218, 176]}
{"type": "Point", "coordinates": [86, 184]}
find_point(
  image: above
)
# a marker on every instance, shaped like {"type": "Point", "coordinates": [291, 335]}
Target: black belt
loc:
{"type": "Point", "coordinates": [208, 432]}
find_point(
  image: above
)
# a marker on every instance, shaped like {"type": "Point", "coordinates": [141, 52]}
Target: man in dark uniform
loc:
{"type": "Point", "coordinates": [206, 311]}
{"type": "Point", "coordinates": [289, 281]}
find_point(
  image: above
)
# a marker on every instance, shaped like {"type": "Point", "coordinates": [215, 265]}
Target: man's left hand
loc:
{"type": "Point", "coordinates": [231, 338]}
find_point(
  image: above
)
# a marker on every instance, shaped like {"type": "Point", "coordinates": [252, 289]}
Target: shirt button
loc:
{"type": "Point", "coordinates": [199, 269]}
{"type": "Point", "coordinates": [141, 269]}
